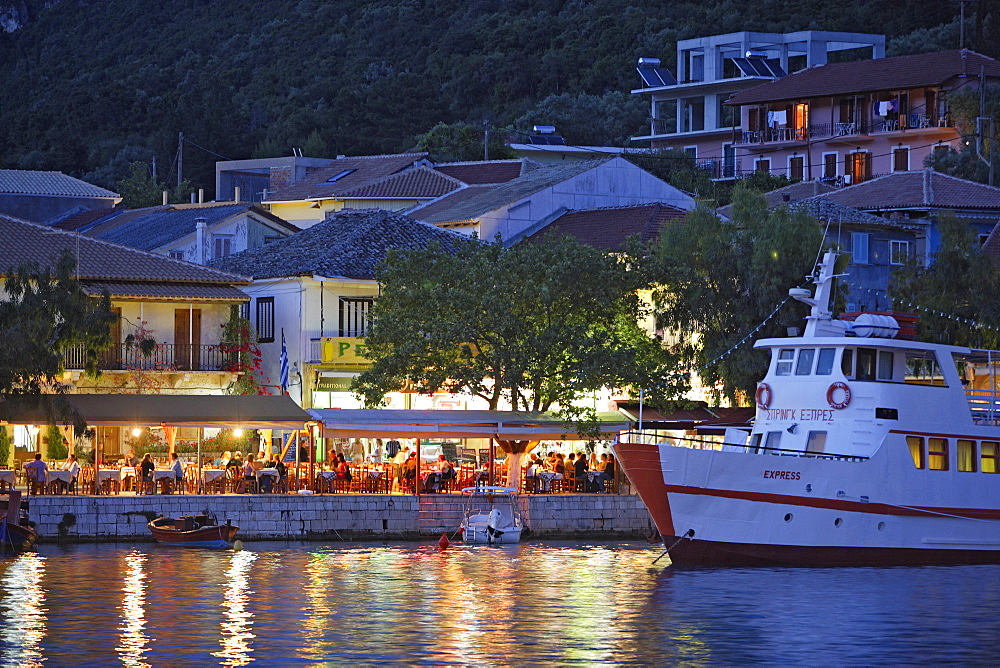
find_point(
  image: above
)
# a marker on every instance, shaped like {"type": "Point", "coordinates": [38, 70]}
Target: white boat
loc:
{"type": "Point", "coordinates": [866, 449]}
{"type": "Point", "coordinates": [491, 515]}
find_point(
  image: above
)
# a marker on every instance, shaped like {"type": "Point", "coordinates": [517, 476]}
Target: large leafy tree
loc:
{"type": "Point", "coordinates": [718, 281]}
{"type": "Point", "coordinates": [44, 314]}
{"type": "Point", "coordinates": [536, 325]}
{"type": "Point", "coordinates": [958, 295]}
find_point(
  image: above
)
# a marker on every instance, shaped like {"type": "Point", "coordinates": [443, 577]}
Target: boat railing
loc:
{"type": "Point", "coordinates": [985, 406]}
{"type": "Point", "coordinates": [650, 438]}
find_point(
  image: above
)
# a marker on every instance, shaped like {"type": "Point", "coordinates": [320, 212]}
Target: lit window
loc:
{"type": "Point", "coordinates": [937, 454]}
{"type": "Point", "coordinates": [916, 445]}
{"type": "Point", "coordinates": [989, 457]}
{"type": "Point", "coordinates": [966, 454]}
{"type": "Point", "coordinates": [847, 363]}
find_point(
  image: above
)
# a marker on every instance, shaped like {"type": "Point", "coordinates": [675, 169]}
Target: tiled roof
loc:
{"type": "Point", "coordinates": [475, 173]}
{"type": "Point", "coordinates": [824, 210]}
{"type": "Point", "coordinates": [991, 248]}
{"type": "Point", "coordinates": [879, 74]}
{"type": "Point", "coordinates": [99, 260]}
{"type": "Point", "coordinates": [419, 183]}
{"type": "Point", "coordinates": [924, 189]}
{"type": "Point", "coordinates": [608, 227]}
{"type": "Point", "coordinates": [492, 198]}
{"type": "Point", "coordinates": [158, 226]}
{"type": "Point", "coordinates": [348, 244]}
{"type": "Point", "coordinates": [430, 210]}
{"type": "Point", "coordinates": [83, 218]}
{"type": "Point", "coordinates": [795, 192]}
{"type": "Point", "coordinates": [55, 184]}
{"type": "Point", "coordinates": [167, 291]}
{"type": "Point", "coordinates": [361, 170]}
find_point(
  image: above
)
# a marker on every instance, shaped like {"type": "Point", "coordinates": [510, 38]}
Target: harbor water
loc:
{"type": "Point", "coordinates": [550, 603]}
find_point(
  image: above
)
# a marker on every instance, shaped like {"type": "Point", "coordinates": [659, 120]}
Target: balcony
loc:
{"type": "Point", "coordinates": [166, 357]}
{"type": "Point", "coordinates": [847, 132]}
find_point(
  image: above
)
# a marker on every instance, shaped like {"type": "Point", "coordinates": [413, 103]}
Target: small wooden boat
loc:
{"type": "Point", "coordinates": [193, 531]}
{"type": "Point", "coordinates": [17, 533]}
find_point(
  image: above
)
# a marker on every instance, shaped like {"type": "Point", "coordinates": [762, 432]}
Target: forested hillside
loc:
{"type": "Point", "coordinates": [90, 86]}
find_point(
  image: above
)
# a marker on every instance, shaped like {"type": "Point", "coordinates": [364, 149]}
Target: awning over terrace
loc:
{"type": "Point", "coordinates": [176, 410]}
{"type": "Point", "coordinates": [501, 425]}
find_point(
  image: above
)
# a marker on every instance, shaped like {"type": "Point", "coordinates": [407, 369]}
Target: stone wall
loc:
{"type": "Point", "coordinates": [329, 517]}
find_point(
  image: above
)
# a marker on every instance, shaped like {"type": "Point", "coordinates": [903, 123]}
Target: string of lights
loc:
{"type": "Point", "coordinates": [949, 316]}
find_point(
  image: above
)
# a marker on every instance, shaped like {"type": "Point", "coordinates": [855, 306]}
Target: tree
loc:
{"type": "Point", "coordinates": [958, 295]}
{"type": "Point", "coordinates": [536, 325]}
{"type": "Point", "coordinates": [239, 344]}
{"type": "Point", "coordinates": [140, 189]}
{"type": "Point", "coordinates": [46, 314]}
{"type": "Point", "coordinates": [717, 282]}
{"type": "Point", "coordinates": [460, 142]}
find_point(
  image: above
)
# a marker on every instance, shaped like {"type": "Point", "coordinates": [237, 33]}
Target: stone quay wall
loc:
{"type": "Point", "coordinates": [349, 517]}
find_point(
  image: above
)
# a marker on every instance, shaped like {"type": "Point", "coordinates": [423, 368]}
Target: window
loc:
{"type": "Point", "coordinates": [354, 316]}
{"type": "Point", "coordinates": [866, 364]}
{"type": "Point", "coordinates": [762, 165]}
{"type": "Point", "coordinates": [245, 310]}
{"type": "Point", "coordinates": [824, 366]}
{"type": "Point", "coordinates": [691, 152]}
{"type": "Point", "coordinates": [847, 363]}
{"type": "Point", "coordinates": [916, 445]}
{"type": "Point", "coordinates": [859, 248]}
{"type": "Point", "coordinates": [858, 166]}
{"type": "Point", "coordinates": [937, 454]}
{"type": "Point", "coordinates": [773, 441]}
{"type": "Point", "coordinates": [899, 252]}
{"type": "Point", "coordinates": [989, 457]}
{"type": "Point", "coordinates": [966, 453]}
{"type": "Point", "coordinates": [223, 246]}
{"type": "Point", "coordinates": [795, 167]}
{"type": "Point", "coordinates": [884, 365]}
{"type": "Point", "coordinates": [784, 367]}
{"type": "Point", "coordinates": [755, 443]}
{"type": "Point", "coordinates": [805, 362]}
{"type": "Point", "coordinates": [339, 175]}
{"type": "Point", "coordinates": [922, 368]}
{"type": "Point", "coordinates": [270, 240]}
{"type": "Point", "coordinates": [176, 254]}
{"type": "Point", "coordinates": [801, 120]}
{"type": "Point", "coordinates": [816, 441]}
{"type": "Point", "coordinates": [901, 159]}
{"type": "Point", "coordinates": [829, 165]}
{"type": "Point", "coordinates": [265, 319]}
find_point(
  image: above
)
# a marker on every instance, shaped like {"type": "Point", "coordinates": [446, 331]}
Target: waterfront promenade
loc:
{"type": "Point", "coordinates": [357, 517]}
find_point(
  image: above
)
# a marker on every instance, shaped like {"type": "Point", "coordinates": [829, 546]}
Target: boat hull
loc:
{"type": "Point", "coordinates": [734, 508]}
{"type": "Point", "coordinates": [18, 538]}
{"type": "Point", "coordinates": [219, 536]}
{"type": "Point", "coordinates": [481, 534]}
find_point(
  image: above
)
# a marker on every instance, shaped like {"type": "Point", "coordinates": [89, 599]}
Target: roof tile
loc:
{"type": "Point", "coordinates": [607, 228]}
{"type": "Point", "coordinates": [57, 184]}
{"type": "Point", "coordinates": [361, 170]}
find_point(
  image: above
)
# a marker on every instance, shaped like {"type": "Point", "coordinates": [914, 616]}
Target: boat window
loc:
{"type": "Point", "coordinates": [755, 443]}
{"type": "Point", "coordinates": [989, 457]}
{"type": "Point", "coordinates": [885, 365]}
{"type": "Point", "coordinates": [824, 365]}
{"type": "Point", "coordinates": [916, 445]}
{"type": "Point", "coordinates": [784, 367]}
{"type": "Point", "coordinates": [847, 362]}
{"type": "Point", "coordinates": [937, 454]}
{"type": "Point", "coordinates": [966, 454]}
{"type": "Point", "coordinates": [773, 441]}
{"type": "Point", "coordinates": [865, 369]}
{"type": "Point", "coordinates": [816, 442]}
{"type": "Point", "coordinates": [805, 363]}
{"type": "Point", "coordinates": [922, 368]}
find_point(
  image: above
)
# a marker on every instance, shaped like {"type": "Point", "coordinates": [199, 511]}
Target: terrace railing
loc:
{"type": "Point", "coordinates": [165, 357]}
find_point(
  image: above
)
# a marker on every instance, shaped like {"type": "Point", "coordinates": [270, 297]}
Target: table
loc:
{"type": "Point", "coordinates": [112, 476]}
{"type": "Point", "coordinates": [7, 477]}
{"type": "Point", "coordinates": [266, 473]}
{"type": "Point", "coordinates": [164, 476]}
{"type": "Point", "coordinates": [57, 475]}
{"type": "Point", "coordinates": [213, 479]}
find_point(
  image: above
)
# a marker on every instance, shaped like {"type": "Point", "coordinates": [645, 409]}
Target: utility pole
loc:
{"type": "Point", "coordinates": [486, 140]}
{"type": "Point", "coordinates": [961, 21]}
{"type": "Point", "coordinates": [180, 158]}
{"type": "Point", "coordinates": [984, 138]}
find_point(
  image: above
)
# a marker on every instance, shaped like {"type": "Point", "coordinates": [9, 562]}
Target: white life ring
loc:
{"type": "Point", "coordinates": [839, 385]}
{"type": "Point", "coordinates": [763, 395]}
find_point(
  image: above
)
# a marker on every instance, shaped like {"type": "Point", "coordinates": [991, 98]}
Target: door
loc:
{"type": "Point", "coordinates": [187, 339]}
{"type": "Point", "coordinates": [111, 359]}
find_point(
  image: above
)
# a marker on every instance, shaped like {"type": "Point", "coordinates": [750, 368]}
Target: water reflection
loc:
{"type": "Point", "coordinates": [132, 643]}
{"type": "Point", "coordinates": [238, 620]}
{"type": "Point", "coordinates": [23, 606]}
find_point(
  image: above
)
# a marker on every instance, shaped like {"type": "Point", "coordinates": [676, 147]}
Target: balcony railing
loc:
{"type": "Point", "coordinates": [166, 357]}
{"type": "Point", "coordinates": [817, 131]}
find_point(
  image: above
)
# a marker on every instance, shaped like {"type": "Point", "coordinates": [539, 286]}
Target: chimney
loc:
{"type": "Point", "coordinates": [236, 196]}
{"type": "Point", "coordinates": [201, 195]}
{"type": "Point", "coordinates": [193, 196]}
{"type": "Point", "coordinates": [200, 242]}
{"type": "Point", "coordinates": [166, 198]}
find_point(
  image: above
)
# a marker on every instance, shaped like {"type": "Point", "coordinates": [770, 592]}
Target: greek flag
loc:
{"type": "Point", "coordinates": [283, 362]}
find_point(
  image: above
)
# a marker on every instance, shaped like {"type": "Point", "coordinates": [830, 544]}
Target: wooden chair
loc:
{"type": "Point", "coordinates": [35, 480]}
{"type": "Point", "coordinates": [84, 481]}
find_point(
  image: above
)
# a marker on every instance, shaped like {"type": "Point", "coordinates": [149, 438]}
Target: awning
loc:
{"type": "Point", "coordinates": [177, 410]}
{"type": "Point", "coordinates": [502, 425]}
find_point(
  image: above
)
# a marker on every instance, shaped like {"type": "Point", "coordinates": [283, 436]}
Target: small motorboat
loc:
{"type": "Point", "coordinates": [193, 531]}
{"type": "Point", "coordinates": [491, 516]}
{"type": "Point", "coordinates": [17, 532]}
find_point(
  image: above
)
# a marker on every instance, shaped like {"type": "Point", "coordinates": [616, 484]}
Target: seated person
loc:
{"type": "Point", "coordinates": [131, 459]}
{"type": "Point", "coordinates": [177, 468]}
{"type": "Point", "coordinates": [446, 471]}
{"type": "Point", "coordinates": [73, 467]}
{"type": "Point", "coordinates": [343, 470]}
{"type": "Point", "coordinates": [409, 469]}
{"type": "Point", "coordinates": [146, 467]}
{"type": "Point", "coordinates": [35, 470]}
{"type": "Point", "coordinates": [607, 472]}
{"type": "Point", "coordinates": [248, 474]}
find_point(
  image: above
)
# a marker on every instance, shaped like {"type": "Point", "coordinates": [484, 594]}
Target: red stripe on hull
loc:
{"type": "Point", "coordinates": [641, 464]}
{"type": "Point", "coordinates": [693, 552]}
